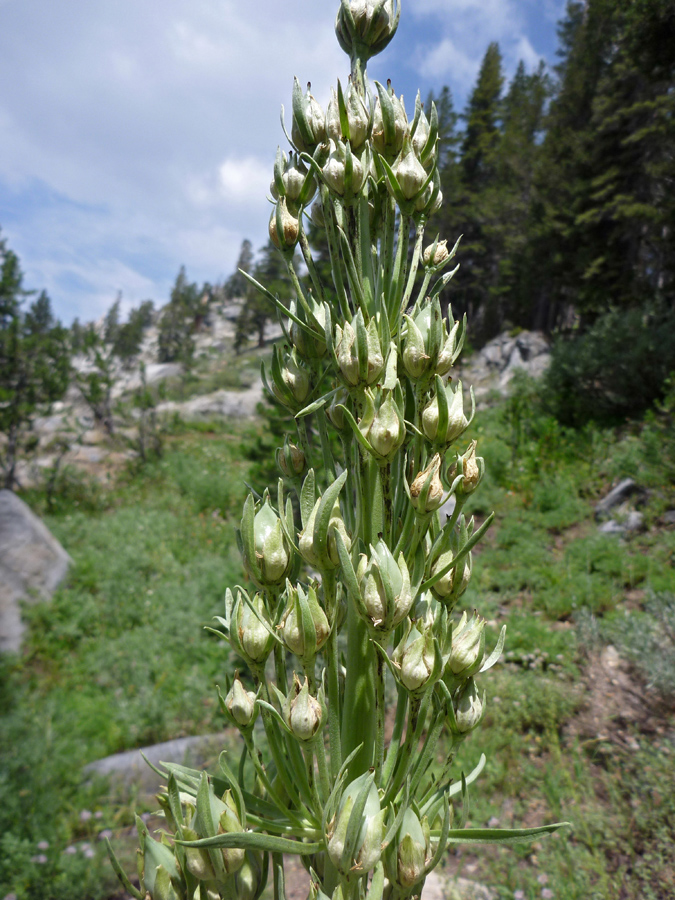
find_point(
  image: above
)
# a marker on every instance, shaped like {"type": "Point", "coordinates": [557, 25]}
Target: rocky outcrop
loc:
{"type": "Point", "coordinates": [32, 564]}
{"type": "Point", "coordinates": [220, 404]}
{"type": "Point", "coordinates": [493, 367]}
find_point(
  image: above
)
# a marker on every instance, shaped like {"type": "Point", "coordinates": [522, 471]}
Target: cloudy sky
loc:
{"type": "Point", "coordinates": [139, 135]}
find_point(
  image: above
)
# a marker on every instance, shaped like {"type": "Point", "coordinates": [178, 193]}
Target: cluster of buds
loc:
{"type": "Point", "coordinates": [370, 506]}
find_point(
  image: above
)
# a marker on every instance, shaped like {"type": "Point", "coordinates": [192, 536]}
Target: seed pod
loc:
{"type": "Point", "coordinates": [426, 490]}
{"type": "Point", "coordinates": [304, 626]}
{"type": "Point", "coordinates": [302, 712]}
{"type": "Point", "coordinates": [386, 595]}
{"type": "Point", "coordinates": [468, 646]}
{"type": "Point", "coordinates": [468, 707]}
{"type": "Point", "coordinates": [361, 854]}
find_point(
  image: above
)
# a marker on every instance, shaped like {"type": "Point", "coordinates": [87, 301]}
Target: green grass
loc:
{"type": "Point", "coordinates": [120, 657]}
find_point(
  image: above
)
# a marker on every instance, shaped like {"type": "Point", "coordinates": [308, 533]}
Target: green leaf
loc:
{"type": "Point", "coordinates": [121, 874]}
{"type": "Point", "coordinates": [253, 840]}
{"type": "Point", "coordinates": [500, 835]}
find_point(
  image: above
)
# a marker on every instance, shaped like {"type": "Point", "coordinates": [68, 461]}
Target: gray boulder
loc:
{"type": "Point", "coordinates": [130, 770]}
{"type": "Point", "coordinates": [615, 497]}
{"type": "Point", "coordinates": [32, 564]}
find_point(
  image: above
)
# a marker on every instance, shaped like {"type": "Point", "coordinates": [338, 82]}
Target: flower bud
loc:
{"type": "Point", "coordinates": [420, 136]}
{"type": "Point", "coordinates": [309, 346]}
{"type": "Point", "coordinates": [452, 585]}
{"type": "Point", "coordinates": [316, 214]}
{"type": "Point", "coordinates": [241, 704]}
{"type": "Point", "coordinates": [383, 426]}
{"type": "Point", "coordinates": [343, 172]}
{"type": "Point", "coordinates": [410, 172]}
{"type": "Point", "coordinates": [426, 490]}
{"type": "Point", "coordinates": [290, 379]}
{"type": "Point", "coordinates": [354, 370]}
{"type": "Point", "coordinates": [389, 131]}
{"type": "Point", "coordinates": [468, 707]}
{"type": "Point", "coordinates": [407, 856]}
{"type": "Point", "coordinates": [456, 421]}
{"type": "Point", "coordinates": [355, 114]}
{"type": "Point", "coordinates": [225, 817]}
{"type": "Point", "coordinates": [302, 712]}
{"type": "Point", "coordinates": [366, 26]}
{"type": "Point", "coordinates": [414, 657]}
{"type": "Point", "coordinates": [311, 545]}
{"type": "Point", "coordinates": [429, 348]}
{"type": "Point", "coordinates": [197, 860]}
{"type": "Point", "coordinates": [385, 587]}
{"type": "Point", "coordinates": [247, 626]}
{"type": "Point", "coordinates": [367, 849]}
{"type": "Point", "coordinates": [472, 468]}
{"type": "Point", "coordinates": [291, 460]}
{"type": "Point", "coordinates": [435, 255]}
{"type": "Point", "coordinates": [284, 228]}
{"type": "Point", "coordinates": [247, 879]}
{"type": "Point", "coordinates": [273, 557]}
{"type": "Point", "coordinates": [468, 646]}
{"type": "Point", "coordinates": [308, 129]}
{"type": "Point", "coordinates": [335, 415]}
{"type": "Point", "coordinates": [304, 642]}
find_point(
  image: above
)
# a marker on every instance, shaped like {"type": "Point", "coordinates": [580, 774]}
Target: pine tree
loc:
{"type": "Point", "coordinates": [257, 311]}
{"type": "Point", "coordinates": [236, 285]}
{"type": "Point", "coordinates": [523, 111]}
{"type": "Point", "coordinates": [477, 199]}
{"type": "Point", "coordinates": [34, 362]}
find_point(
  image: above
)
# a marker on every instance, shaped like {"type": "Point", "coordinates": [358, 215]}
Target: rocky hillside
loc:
{"type": "Point", "coordinates": [71, 434]}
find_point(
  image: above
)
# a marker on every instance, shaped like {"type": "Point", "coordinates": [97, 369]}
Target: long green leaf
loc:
{"type": "Point", "coordinates": [254, 840]}
{"type": "Point", "coordinates": [499, 835]}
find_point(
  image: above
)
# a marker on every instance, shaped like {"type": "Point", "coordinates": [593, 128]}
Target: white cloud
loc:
{"type": "Point", "coordinates": [525, 51]}
{"type": "Point", "coordinates": [446, 60]}
{"type": "Point", "coordinates": [240, 179]}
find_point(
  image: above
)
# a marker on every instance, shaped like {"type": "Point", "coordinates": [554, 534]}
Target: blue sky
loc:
{"type": "Point", "coordinates": [139, 135]}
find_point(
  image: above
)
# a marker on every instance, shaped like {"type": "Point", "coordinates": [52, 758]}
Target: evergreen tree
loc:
{"type": "Point", "coordinates": [34, 362]}
{"type": "Point", "coordinates": [604, 207]}
{"type": "Point", "coordinates": [257, 310]}
{"type": "Point", "coordinates": [523, 110]}
{"type": "Point", "coordinates": [177, 322]}
{"type": "Point", "coordinates": [478, 199]}
{"type": "Point", "coordinates": [236, 285]}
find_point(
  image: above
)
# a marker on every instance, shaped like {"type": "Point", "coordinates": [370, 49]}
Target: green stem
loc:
{"type": "Point", "coordinates": [424, 759]}
{"type": "Point", "coordinates": [395, 742]}
{"type": "Point", "coordinates": [388, 239]}
{"type": "Point", "coordinates": [303, 437]}
{"type": "Point", "coordinates": [387, 493]}
{"type": "Point", "coordinates": [325, 446]}
{"type": "Point", "coordinates": [308, 753]}
{"type": "Point", "coordinates": [398, 275]}
{"type": "Point", "coordinates": [380, 711]}
{"type": "Point", "coordinates": [334, 253]}
{"type": "Point", "coordinates": [445, 773]}
{"type": "Point", "coordinates": [358, 714]}
{"type": "Point", "coordinates": [322, 764]}
{"type": "Point", "coordinates": [311, 268]}
{"type": "Point", "coordinates": [417, 251]}
{"type": "Point", "coordinates": [257, 760]}
{"type": "Point", "coordinates": [416, 719]}
{"type": "Point", "coordinates": [331, 652]}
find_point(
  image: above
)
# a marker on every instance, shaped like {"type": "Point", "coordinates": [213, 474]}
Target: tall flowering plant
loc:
{"type": "Point", "coordinates": [354, 587]}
